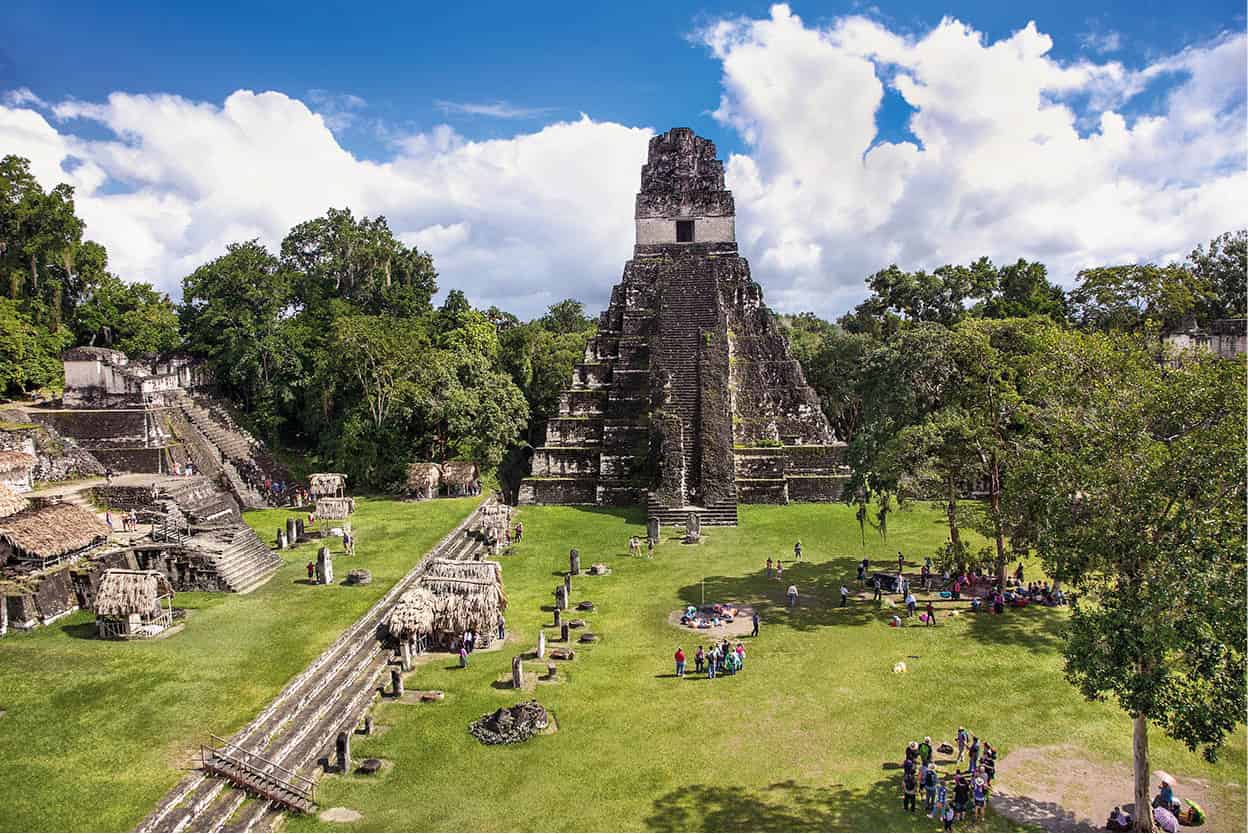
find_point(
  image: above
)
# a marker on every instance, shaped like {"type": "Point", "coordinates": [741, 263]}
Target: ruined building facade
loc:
{"type": "Point", "coordinates": [688, 397]}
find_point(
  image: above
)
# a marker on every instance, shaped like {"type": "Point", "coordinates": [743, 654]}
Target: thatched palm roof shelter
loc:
{"type": "Point", "coordinates": [412, 615]}
{"type": "Point", "coordinates": [334, 509]}
{"type": "Point", "coordinates": [41, 537]}
{"type": "Point", "coordinates": [423, 479]}
{"type": "Point", "coordinates": [327, 484]}
{"type": "Point", "coordinates": [460, 476]}
{"type": "Point", "coordinates": [133, 604]}
{"type": "Point", "coordinates": [11, 502]}
{"type": "Point", "coordinates": [466, 596]}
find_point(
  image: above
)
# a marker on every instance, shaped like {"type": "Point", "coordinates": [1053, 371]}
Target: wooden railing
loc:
{"type": "Point", "coordinates": [222, 756]}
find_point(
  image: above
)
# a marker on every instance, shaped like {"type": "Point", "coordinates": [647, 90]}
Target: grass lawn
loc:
{"type": "Point", "coordinates": [796, 742]}
{"type": "Point", "coordinates": [94, 733]}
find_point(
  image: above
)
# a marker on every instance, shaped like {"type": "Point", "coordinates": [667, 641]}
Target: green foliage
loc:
{"type": "Point", "coordinates": [1223, 270]}
{"type": "Point", "coordinates": [1137, 297]}
{"type": "Point", "coordinates": [1135, 486]}
{"type": "Point", "coordinates": [30, 356]}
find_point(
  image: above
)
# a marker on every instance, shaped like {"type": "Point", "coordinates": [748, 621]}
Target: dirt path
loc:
{"type": "Point", "coordinates": [1061, 788]}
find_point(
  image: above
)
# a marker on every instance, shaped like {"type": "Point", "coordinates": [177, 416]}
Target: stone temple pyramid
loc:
{"type": "Point", "coordinates": [687, 399]}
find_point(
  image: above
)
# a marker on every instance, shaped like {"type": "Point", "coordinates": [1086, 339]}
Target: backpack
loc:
{"type": "Point", "coordinates": [908, 782]}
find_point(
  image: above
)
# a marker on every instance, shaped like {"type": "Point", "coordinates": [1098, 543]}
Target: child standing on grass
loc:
{"type": "Point", "coordinates": [942, 802]}
{"type": "Point", "coordinates": [947, 817]}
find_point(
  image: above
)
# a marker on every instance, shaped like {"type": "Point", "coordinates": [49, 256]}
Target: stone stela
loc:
{"type": "Point", "coordinates": [688, 398]}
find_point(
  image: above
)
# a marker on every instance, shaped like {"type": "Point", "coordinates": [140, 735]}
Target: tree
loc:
{"type": "Point", "coordinates": [1223, 270]}
{"type": "Point", "coordinates": [30, 356]}
{"type": "Point", "coordinates": [133, 318]}
{"type": "Point", "coordinates": [232, 314]}
{"type": "Point", "coordinates": [1134, 485]}
{"type": "Point", "coordinates": [567, 316]}
{"type": "Point", "coordinates": [1143, 298]}
{"type": "Point", "coordinates": [1023, 289]}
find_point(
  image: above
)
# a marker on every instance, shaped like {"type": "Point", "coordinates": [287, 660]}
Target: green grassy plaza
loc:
{"type": "Point", "coordinates": [96, 732]}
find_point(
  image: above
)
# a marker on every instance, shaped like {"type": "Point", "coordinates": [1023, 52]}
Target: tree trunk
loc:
{"type": "Point", "coordinates": [955, 537]}
{"type": "Point", "coordinates": [34, 275]}
{"type": "Point", "coordinates": [995, 486]}
{"type": "Point", "coordinates": [1143, 817]}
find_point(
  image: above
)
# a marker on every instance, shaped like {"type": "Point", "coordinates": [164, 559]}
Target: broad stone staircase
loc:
{"type": "Point", "coordinates": [218, 446]}
{"type": "Point", "coordinates": [329, 696]}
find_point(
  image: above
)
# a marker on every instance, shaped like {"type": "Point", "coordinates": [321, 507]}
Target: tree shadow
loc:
{"type": "Point", "coordinates": [819, 599]}
{"type": "Point", "coordinates": [1034, 627]}
{"type": "Point", "coordinates": [1048, 816]}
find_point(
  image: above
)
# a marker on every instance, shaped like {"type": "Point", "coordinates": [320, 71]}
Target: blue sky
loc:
{"type": "Point", "coordinates": [379, 74]}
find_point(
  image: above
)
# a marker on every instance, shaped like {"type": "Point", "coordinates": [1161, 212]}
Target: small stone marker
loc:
{"type": "Point", "coordinates": [368, 725]}
{"type": "Point", "coordinates": [652, 529]}
{"type": "Point", "coordinates": [298, 529]}
{"type": "Point", "coordinates": [344, 752]}
{"type": "Point", "coordinates": [567, 584]}
{"type": "Point", "coordinates": [370, 766]}
{"type": "Point", "coordinates": [405, 655]}
{"type": "Point", "coordinates": [292, 533]}
{"type": "Point", "coordinates": [562, 654]}
{"type": "Point", "coordinates": [541, 645]}
{"type": "Point", "coordinates": [282, 542]}
{"type": "Point", "coordinates": [563, 632]}
{"type": "Point", "coordinates": [584, 605]}
{"type": "Point", "coordinates": [561, 597]}
{"type": "Point", "coordinates": [517, 672]}
{"type": "Point", "coordinates": [589, 637]}
{"type": "Point", "coordinates": [396, 683]}
{"type": "Point", "coordinates": [574, 562]}
{"type": "Point", "coordinates": [552, 671]}
{"type": "Point", "coordinates": [558, 617]}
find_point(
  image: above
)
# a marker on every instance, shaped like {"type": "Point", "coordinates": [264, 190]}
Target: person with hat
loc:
{"type": "Point", "coordinates": [963, 740]}
{"type": "Point", "coordinates": [980, 794]}
{"type": "Point", "coordinates": [925, 750]}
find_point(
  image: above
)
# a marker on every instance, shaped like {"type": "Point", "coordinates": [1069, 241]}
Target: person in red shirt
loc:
{"type": "Point", "coordinates": [680, 662]}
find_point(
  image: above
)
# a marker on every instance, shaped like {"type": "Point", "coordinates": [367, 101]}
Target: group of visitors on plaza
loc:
{"type": "Point", "coordinates": [722, 659]}
{"type": "Point", "coordinates": [961, 794]}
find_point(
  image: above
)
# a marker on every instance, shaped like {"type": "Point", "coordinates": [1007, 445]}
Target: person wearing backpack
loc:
{"type": "Point", "coordinates": [909, 786]}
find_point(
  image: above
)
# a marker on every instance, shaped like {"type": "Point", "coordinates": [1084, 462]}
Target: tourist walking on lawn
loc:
{"type": "Point", "coordinates": [942, 800]}
{"type": "Point", "coordinates": [963, 740]}
{"type": "Point", "coordinates": [925, 750]}
{"type": "Point", "coordinates": [879, 591]}
{"type": "Point", "coordinates": [769, 567]}
{"type": "Point", "coordinates": [502, 628]}
{"type": "Point", "coordinates": [792, 594]}
{"type": "Point", "coordinates": [712, 659]}
{"type": "Point", "coordinates": [961, 797]}
{"type": "Point", "coordinates": [680, 662]}
{"type": "Point", "coordinates": [862, 574]}
{"type": "Point", "coordinates": [463, 656]}
{"type": "Point", "coordinates": [699, 660]}
{"type": "Point", "coordinates": [947, 815]}
{"type": "Point", "coordinates": [311, 570]}
{"type": "Point", "coordinates": [931, 613]}
{"type": "Point", "coordinates": [929, 789]}
{"type": "Point", "coordinates": [754, 621]}
{"type": "Point", "coordinates": [844, 596]}
{"type": "Point", "coordinates": [980, 794]}
{"type": "Point", "coordinates": [797, 551]}
{"type": "Point", "coordinates": [779, 570]}
{"type": "Point", "coordinates": [974, 753]}
{"type": "Point", "coordinates": [911, 604]}
{"type": "Point", "coordinates": [901, 563]}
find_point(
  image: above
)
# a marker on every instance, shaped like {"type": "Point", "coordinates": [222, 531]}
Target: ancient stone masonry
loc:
{"type": "Point", "coordinates": [688, 397]}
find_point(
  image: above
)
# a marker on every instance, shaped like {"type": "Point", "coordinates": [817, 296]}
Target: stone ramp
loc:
{"type": "Point", "coordinates": [329, 696]}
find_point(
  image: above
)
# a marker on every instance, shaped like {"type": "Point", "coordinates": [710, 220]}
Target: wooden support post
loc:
{"type": "Point", "coordinates": [344, 752]}
{"type": "Point", "coordinates": [396, 682]}
{"type": "Point", "coordinates": [574, 562]}
{"type": "Point", "coordinates": [517, 672]}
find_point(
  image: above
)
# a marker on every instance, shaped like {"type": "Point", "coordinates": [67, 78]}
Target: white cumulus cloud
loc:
{"type": "Point", "coordinates": [1010, 153]}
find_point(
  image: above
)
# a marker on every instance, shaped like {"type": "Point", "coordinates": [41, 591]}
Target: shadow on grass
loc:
{"type": "Point", "coordinates": [819, 598]}
{"type": "Point", "coordinates": [1034, 627]}
{"type": "Point", "coordinates": [781, 806]}
{"type": "Point", "coordinates": [81, 631]}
